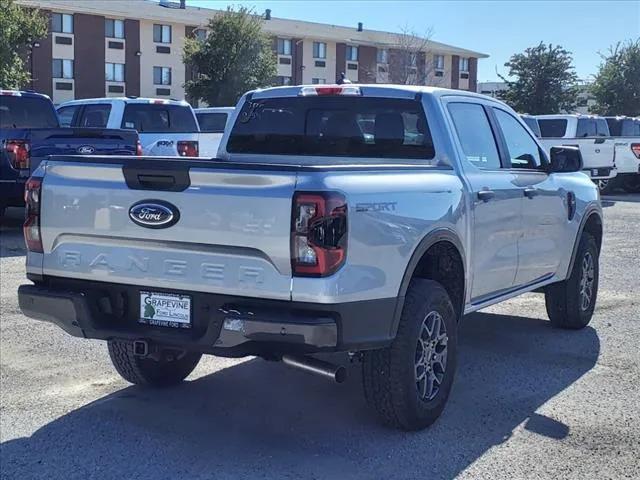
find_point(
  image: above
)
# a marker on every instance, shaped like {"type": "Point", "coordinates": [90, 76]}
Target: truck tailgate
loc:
{"type": "Point", "coordinates": [232, 236]}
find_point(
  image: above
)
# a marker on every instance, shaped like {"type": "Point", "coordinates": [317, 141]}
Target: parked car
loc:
{"type": "Point", "coordinates": [212, 122]}
{"type": "Point", "coordinates": [532, 123]}
{"type": "Point", "coordinates": [588, 132]}
{"type": "Point", "coordinates": [166, 127]}
{"type": "Point", "coordinates": [30, 132]}
{"type": "Point", "coordinates": [626, 132]}
{"type": "Point", "coordinates": [306, 236]}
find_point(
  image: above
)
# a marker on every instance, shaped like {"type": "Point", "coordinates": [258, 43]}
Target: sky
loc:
{"type": "Point", "coordinates": [497, 28]}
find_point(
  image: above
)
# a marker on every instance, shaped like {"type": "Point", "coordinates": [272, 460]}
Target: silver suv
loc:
{"type": "Point", "coordinates": [353, 218]}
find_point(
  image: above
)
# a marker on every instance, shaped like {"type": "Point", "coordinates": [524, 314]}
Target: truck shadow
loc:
{"type": "Point", "coordinates": [260, 419]}
{"type": "Point", "coordinates": [11, 240]}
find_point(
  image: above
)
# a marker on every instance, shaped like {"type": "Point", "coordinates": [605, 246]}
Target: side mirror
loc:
{"type": "Point", "coordinates": [565, 160]}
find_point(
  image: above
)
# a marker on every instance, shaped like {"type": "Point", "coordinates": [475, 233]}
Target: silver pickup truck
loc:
{"type": "Point", "coordinates": [354, 218]}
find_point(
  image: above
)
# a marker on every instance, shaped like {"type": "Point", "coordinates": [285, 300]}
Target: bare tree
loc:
{"type": "Point", "coordinates": [411, 59]}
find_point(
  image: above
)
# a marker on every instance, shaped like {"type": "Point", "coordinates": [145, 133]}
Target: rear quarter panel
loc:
{"type": "Point", "coordinates": [390, 212]}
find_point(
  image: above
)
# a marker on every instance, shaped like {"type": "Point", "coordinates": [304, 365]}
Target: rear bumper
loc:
{"type": "Point", "coordinates": [221, 325]}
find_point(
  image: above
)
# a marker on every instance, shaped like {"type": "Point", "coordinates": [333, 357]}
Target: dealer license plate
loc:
{"type": "Point", "coordinates": [165, 309]}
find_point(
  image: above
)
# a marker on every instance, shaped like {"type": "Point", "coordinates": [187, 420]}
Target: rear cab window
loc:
{"type": "Point", "coordinates": [27, 112]}
{"type": "Point", "coordinates": [213, 122]}
{"type": "Point", "coordinates": [159, 118]}
{"type": "Point", "coordinates": [95, 116]}
{"type": "Point", "coordinates": [334, 126]}
{"type": "Point", "coordinates": [552, 127]}
{"type": "Point", "coordinates": [623, 127]}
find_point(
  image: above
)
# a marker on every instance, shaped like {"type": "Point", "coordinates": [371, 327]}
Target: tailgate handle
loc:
{"type": "Point", "coordinates": [159, 182]}
{"type": "Point", "coordinates": [156, 176]}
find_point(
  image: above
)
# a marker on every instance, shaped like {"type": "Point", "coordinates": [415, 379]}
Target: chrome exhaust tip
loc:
{"type": "Point", "coordinates": [336, 373]}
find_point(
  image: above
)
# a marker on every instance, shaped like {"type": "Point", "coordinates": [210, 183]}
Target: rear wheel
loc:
{"type": "Point", "coordinates": [570, 303]}
{"type": "Point", "coordinates": [605, 186]}
{"type": "Point", "coordinates": [164, 368]}
{"type": "Point", "coordinates": [408, 383]}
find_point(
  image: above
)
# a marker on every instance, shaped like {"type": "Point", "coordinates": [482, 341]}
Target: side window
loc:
{"type": "Point", "coordinates": [95, 116]}
{"type": "Point", "coordinates": [602, 129]}
{"type": "Point", "coordinates": [586, 128]}
{"type": "Point", "coordinates": [476, 137]}
{"type": "Point", "coordinates": [65, 114]}
{"type": "Point", "coordinates": [212, 122]}
{"type": "Point", "coordinates": [523, 150]}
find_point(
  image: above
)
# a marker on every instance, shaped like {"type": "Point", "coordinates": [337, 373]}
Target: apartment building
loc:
{"type": "Point", "coordinates": [103, 48]}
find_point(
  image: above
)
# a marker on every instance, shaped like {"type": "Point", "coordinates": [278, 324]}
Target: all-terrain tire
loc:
{"type": "Point", "coordinates": [390, 374]}
{"type": "Point", "coordinates": [171, 370]}
{"type": "Point", "coordinates": [565, 302]}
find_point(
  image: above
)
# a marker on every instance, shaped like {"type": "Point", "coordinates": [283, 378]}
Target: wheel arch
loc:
{"type": "Point", "coordinates": [442, 240]}
{"type": "Point", "coordinates": [591, 223]}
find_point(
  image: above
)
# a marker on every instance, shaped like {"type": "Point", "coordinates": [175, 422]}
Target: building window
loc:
{"type": "Point", "coordinates": [413, 59]}
{"type": "Point", "coordinates": [438, 62]}
{"type": "Point", "coordinates": [113, 28]}
{"type": "Point", "coordinates": [383, 55]}
{"type": "Point", "coordinates": [464, 65]}
{"type": "Point", "coordinates": [284, 80]}
{"type": "Point", "coordinates": [200, 34]}
{"type": "Point", "coordinates": [62, 23]}
{"type": "Point", "coordinates": [114, 72]}
{"type": "Point", "coordinates": [319, 50]}
{"type": "Point", "coordinates": [352, 53]}
{"type": "Point", "coordinates": [284, 46]}
{"type": "Point", "coordinates": [62, 68]}
{"type": "Point", "coordinates": [318, 81]}
{"type": "Point", "coordinates": [162, 33]}
{"type": "Point", "coordinates": [161, 76]}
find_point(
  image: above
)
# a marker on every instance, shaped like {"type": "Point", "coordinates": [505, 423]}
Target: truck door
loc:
{"type": "Point", "coordinates": [495, 203]}
{"type": "Point", "coordinates": [542, 241]}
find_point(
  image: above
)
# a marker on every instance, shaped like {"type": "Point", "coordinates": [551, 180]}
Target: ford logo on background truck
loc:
{"type": "Point", "coordinates": [86, 150]}
{"type": "Point", "coordinates": [154, 214]}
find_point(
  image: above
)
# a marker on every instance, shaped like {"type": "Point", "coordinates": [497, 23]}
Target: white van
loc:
{"type": "Point", "coordinates": [588, 132]}
{"type": "Point", "coordinates": [166, 127]}
{"type": "Point", "coordinates": [212, 122]}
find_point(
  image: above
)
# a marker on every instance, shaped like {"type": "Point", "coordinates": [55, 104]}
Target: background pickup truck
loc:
{"type": "Point", "coordinates": [30, 132]}
{"type": "Point", "coordinates": [359, 219]}
{"type": "Point", "coordinates": [165, 127]}
{"type": "Point", "coordinates": [590, 134]}
{"type": "Point", "coordinates": [626, 134]}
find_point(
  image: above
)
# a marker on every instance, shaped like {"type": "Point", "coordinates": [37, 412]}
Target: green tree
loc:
{"type": "Point", "coordinates": [19, 28]}
{"type": "Point", "coordinates": [235, 57]}
{"type": "Point", "coordinates": [616, 88]}
{"type": "Point", "coordinates": [544, 80]}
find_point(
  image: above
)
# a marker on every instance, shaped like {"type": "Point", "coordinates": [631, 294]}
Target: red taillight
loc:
{"type": "Point", "coordinates": [138, 148]}
{"type": "Point", "coordinates": [188, 149]}
{"type": "Point", "coordinates": [32, 200]}
{"type": "Point", "coordinates": [19, 153]}
{"type": "Point", "coordinates": [635, 148]}
{"type": "Point", "coordinates": [318, 233]}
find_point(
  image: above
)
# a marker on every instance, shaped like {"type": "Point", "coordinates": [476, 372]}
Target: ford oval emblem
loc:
{"type": "Point", "coordinates": [154, 214]}
{"type": "Point", "coordinates": [85, 150]}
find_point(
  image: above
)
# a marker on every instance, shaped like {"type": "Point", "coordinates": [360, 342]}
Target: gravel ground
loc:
{"type": "Point", "coordinates": [528, 402]}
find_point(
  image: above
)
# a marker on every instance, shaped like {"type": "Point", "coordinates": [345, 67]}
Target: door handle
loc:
{"type": "Point", "coordinates": [486, 195]}
{"type": "Point", "coordinates": [530, 192]}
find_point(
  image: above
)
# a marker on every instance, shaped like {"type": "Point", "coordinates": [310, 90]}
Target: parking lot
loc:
{"type": "Point", "coordinates": [528, 402]}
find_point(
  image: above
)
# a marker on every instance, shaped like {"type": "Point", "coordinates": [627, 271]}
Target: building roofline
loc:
{"type": "Point", "coordinates": [194, 16]}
